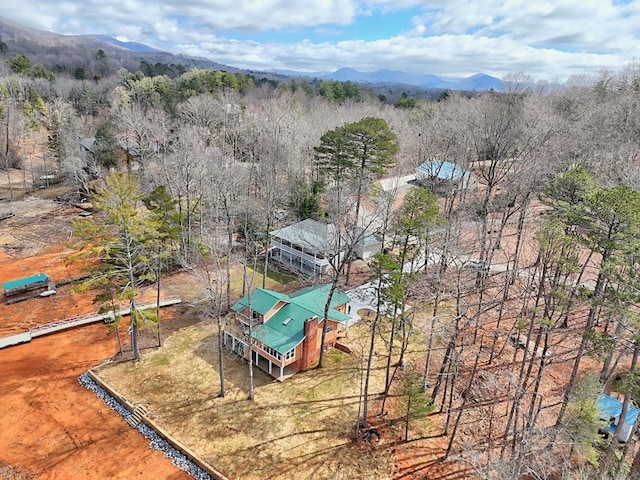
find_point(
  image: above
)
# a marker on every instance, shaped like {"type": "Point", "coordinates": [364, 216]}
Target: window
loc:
{"type": "Point", "coordinates": [291, 354]}
{"type": "Point", "coordinates": [271, 352]}
{"type": "Point", "coordinates": [328, 329]}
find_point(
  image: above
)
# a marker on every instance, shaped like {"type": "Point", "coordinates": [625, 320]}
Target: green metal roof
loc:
{"type": "Point", "coordinates": [260, 300]}
{"type": "Point", "coordinates": [21, 282]}
{"type": "Point", "coordinates": [285, 328]}
{"type": "Point", "coordinates": [280, 334]}
{"type": "Point", "coordinates": [315, 297]}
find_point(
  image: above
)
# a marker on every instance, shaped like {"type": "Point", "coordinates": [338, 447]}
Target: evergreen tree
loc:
{"type": "Point", "coordinates": [104, 148]}
{"type": "Point", "coordinates": [121, 241]}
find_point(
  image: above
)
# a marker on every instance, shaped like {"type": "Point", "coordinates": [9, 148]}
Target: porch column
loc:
{"type": "Point", "coordinates": [281, 373]}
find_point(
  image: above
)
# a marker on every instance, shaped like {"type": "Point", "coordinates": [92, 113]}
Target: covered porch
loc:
{"type": "Point", "coordinates": [274, 368]}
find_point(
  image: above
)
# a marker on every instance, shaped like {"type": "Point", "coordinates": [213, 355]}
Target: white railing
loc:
{"type": "Point", "coordinates": [91, 318]}
{"type": "Point", "coordinates": [300, 254]}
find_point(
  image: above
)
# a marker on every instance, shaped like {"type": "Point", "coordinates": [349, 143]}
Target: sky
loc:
{"type": "Point", "coordinates": [548, 40]}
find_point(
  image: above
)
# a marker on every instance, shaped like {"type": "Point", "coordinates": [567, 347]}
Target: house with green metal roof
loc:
{"type": "Point", "coordinates": [282, 333]}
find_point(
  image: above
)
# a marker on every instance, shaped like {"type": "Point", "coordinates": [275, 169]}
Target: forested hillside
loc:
{"type": "Point", "coordinates": [527, 265]}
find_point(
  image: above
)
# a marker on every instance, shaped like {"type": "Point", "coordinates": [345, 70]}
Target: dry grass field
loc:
{"type": "Point", "coordinates": [300, 428]}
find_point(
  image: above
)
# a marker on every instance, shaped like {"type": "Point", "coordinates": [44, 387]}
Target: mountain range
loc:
{"type": "Point", "coordinates": [133, 46]}
{"type": "Point", "coordinates": [479, 81]}
{"type": "Point", "coordinates": [22, 39]}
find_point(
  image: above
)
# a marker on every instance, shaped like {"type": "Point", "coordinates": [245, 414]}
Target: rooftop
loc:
{"type": "Point", "coordinates": [440, 169]}
{"type": "Point", "coordinates": [613, 407]}
{"type": "Point", "coordinates": [285, 328]}
{"type": "Point", "coordinates": [21, 282]}
{"type": "Point", "coordinates": [311, 235]}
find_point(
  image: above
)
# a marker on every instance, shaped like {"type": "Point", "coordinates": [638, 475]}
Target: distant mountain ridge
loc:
{"type": "Point", "coordinates": [133, 46]}
{"type": "Point", "coordinates": [477, 82]}
{"type": "Point", "coordinates": [69, 52]}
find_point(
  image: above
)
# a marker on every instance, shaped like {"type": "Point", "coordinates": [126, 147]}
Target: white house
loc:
{"type": "Point", "coordinates": [305, 246]}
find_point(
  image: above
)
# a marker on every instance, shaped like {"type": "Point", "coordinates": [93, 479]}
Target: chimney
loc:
{"type": "Point", "coordinates": [310, 349]}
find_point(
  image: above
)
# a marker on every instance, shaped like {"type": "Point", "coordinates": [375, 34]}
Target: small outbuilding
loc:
{"type": "Point", "coordinates": [367, 245]}
{"type": "Point", "coordinates": [440, 176]}
{"type": "Point", "coordinates": [610, 409]}
{"type": "Point", "coordinates": [21, 285]}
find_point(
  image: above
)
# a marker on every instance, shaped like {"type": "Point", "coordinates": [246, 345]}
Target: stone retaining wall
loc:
{"type": "Point", "coordinates": [209, 471]}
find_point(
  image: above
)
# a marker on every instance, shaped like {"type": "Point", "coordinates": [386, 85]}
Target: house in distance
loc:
{"type": "Point", "coordinates": [440, 176]}
{"type": "Point", "coordinates": [286, 330]}
{"type": "Point", "coordinates": [609, 411]}
{"type": "Point", "coordinates": [306, 247]}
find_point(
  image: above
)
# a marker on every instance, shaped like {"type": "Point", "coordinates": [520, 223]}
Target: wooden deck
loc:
{"type": "Point", "coordinates": [78, 321]}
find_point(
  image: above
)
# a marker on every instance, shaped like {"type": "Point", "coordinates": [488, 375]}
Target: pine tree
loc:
{"type": "Point", "coordinates": [120, 244]}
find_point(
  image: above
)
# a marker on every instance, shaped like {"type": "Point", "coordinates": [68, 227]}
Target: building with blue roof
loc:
{"type": "Point", "coordinates": [22, 285]}
{"type": "Point", "coordinates": [609, 411]}
{"type": "Point", "coordinates": [440, 176]}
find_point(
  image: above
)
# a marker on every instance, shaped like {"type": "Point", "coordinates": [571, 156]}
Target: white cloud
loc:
{"type": "Point", "coordinates": [547, 39]}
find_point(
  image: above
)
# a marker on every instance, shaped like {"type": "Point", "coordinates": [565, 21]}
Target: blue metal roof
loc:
{"type": "Point", "coordinates": [612, 408]}
{"type": "Point", "coordinates": [22, 282]}
{"type": "Point", "coordinates": [441, 169]}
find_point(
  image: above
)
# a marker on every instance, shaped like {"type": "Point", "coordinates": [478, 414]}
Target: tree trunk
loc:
{"type": "Point", "coordinates": [597, 294]}
{"type": "Point", "coordinates": [250, 394]}
{"type": "Point", "coordinates": [432, 323]}
{"type": "Point", "coordinates": [158, 306]}
{"type": "Point", "coordinates": [220, 354]}
{"type": "Point", "coordinates": [464, 403]}
{"type": "Point", "coordinates": [327, 306]}
{"type": "Point", "coordinates": [365, 402]}
{"type": "Point", "coordinates": [134, 334]}
{"type": "Point", "coordinates": [406, 423]}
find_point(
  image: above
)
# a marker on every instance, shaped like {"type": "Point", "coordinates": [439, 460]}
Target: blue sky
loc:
{"type": "Point", "coordinates": [545, 39]}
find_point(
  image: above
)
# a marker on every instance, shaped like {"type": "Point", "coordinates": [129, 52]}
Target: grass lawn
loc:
{"type": "Point", "coordinates": [300, 428]}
